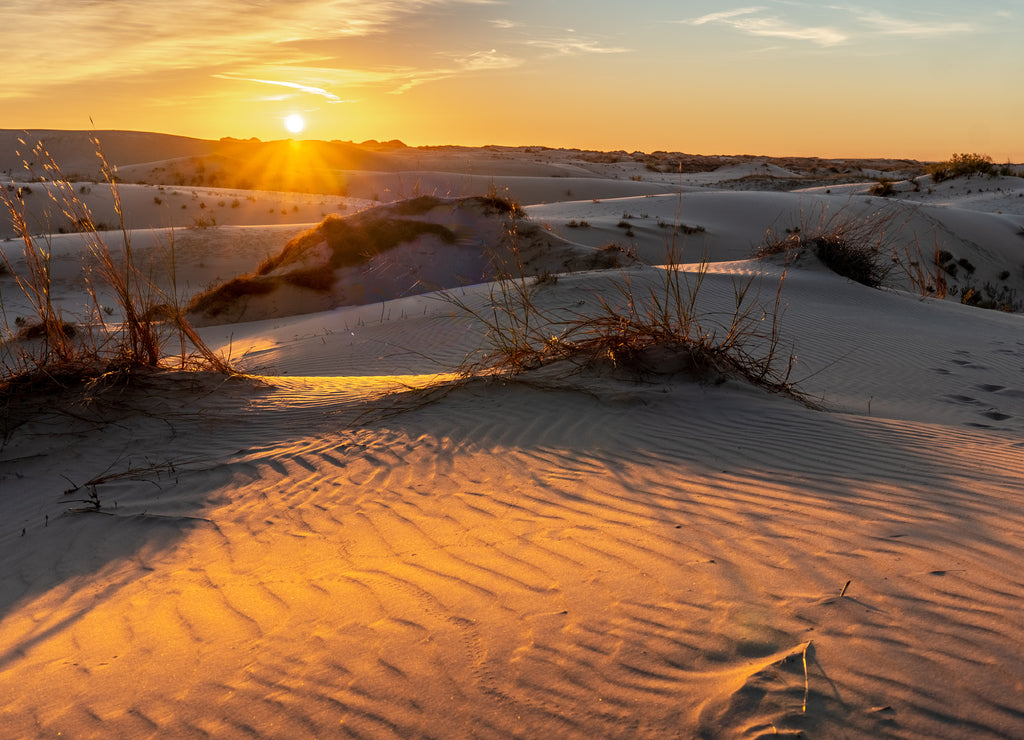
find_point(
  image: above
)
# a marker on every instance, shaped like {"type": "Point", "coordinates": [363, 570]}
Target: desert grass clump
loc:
{"type": "Point", "coordinates": [993, 297]}
{"type": "Point", "coordinates": [927, 277]}
{"type": "Point", "coordinates": [858, 248]}
{"type": "Point", "coordinates": [54, 349]}
{"type": "Point", "coordinates": [883, 188]}
{"type": "Point", "coordinates": [502, 203]}
{"type": "Point", "coordinates": [659, 330]}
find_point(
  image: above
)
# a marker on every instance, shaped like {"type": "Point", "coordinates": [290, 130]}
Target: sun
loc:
{"type": "Point", "coordinates": [294, 123]}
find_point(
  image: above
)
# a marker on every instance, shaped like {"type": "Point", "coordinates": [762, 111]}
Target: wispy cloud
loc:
{"type": "Point", "coordinates": [68, 41]}
{"type": "Point", "coordinates": [482, 60]}
{"type": "Point", "coordinates": [572, 45]}
{"type": "Point", "coordinates": [393, 80]}
{"type": "Point", "coordinates": [331, 97]}
{"type": "Point", "coordinates": [893, 26]}
{"type": "Point", "coordinates": [722, 16]}
{"type": "Point", "coordinates": [403, 81]}
{"type": "Point", "coordinates": [751, 20]}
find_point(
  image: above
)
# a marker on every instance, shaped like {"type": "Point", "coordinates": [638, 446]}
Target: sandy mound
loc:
{"type": "Point", "coordinates": [415, 246]}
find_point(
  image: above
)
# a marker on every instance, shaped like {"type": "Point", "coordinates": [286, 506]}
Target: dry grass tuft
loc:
{"type": "Point", "coordinates": [859, 248]}
{"type": "Point", "coordinates": [658, 331]}
{"type": "Point", "coordinates": [49, 349]}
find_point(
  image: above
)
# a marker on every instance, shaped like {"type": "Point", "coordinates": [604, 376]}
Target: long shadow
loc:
{"type": "Point", "coordinates": [122, 475]}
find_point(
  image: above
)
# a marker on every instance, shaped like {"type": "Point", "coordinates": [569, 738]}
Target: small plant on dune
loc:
{"type": "Point", "coordinates": [860, 249]}
{"type": "Point", "coordinates": [679, 228]}
{"type": "Point", "coordinates": [56, 350]}
{"type": "Point", "coordinates": [659, 330]}
{"type": "Point", "coordinates": [998, 298]}
{"type": "Point", "coordinates": [926, 277]}
{"type": "Point", "coordinates": [503, 203]}
{"type": "Point", "coordinates": [883, 188]}
{"type": "Point", "coordinates": [962, 165]}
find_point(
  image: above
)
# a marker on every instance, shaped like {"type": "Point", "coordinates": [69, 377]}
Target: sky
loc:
{"type": "Point", "coordinates": [918, 79]}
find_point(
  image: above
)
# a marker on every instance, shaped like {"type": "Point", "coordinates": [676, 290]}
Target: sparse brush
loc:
{"type": "Point", "coordinates": [657, 331]}
{"type": "Point", "coordinates": [503, 204]}
{"type": "Point", "coordinates": [927, 277]}
{"type": "Point", "coordinates": [55, 344]}
{"type": "Point", "coordinates": [962, 165]}
{"type": "Point", "coordinates": [53, 348]}
{"type": "Point", "coordinates": [883, 188]}
{"type": "Point", "coordinates": [859, 248]}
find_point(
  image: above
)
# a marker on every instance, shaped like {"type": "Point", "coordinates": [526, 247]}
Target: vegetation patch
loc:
{"type": "Point", "coordinates": [965, 165]}
{"type": "Point", "coordinates": [47, 350]}
{"type": "Point", "coordinates": [659, 331]}
{"type": "Point", "coordinates": [354, 241]}
{"type": "Point", "coordinates": [316, 279]}
{"type": "Point", "coordinates": [416, 206]}
{"type": "Point", "coordinates": [856, 248]}
{"type": "Point", "coordinates": [883, 188]}
{"type": "Point", "coordinates": [678, 228]}
{"type": "Point", "coordinates": [994, 297]}
{"type": "Point", "coordinates": [501, 204]}
{"type": "Point", "coordinates": [217, 300]}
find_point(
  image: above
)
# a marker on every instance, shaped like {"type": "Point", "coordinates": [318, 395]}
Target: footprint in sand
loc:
{"type": "Point", "coordinates": [957, 398]}
{"type": "Point", "coordinates": [988, 388]}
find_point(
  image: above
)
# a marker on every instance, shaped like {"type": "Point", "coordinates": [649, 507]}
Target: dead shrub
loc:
{"type": "Point", "coordinates": [657, 331]}
{"type": "Point", "coordinates": [860, 249]}
{"type": "Point", "coordinates": [49, 346]}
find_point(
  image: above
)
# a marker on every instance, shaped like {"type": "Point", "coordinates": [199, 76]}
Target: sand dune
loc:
{"type": "Point", "coordinates": [327, 553]}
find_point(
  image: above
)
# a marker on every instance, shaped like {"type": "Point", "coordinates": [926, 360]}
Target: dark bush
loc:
{"type": "Point", "coordinates": [883, 188]}
{"type": "Point", "coordinates": [962, 165]}
{"type": "Point", "coordinates": [857, 262]}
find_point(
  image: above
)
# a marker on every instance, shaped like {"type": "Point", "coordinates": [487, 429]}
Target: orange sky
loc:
{"type": "Point", "coordinates": [922, 80]}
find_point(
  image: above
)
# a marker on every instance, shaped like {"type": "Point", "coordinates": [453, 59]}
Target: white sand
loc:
{"type": "Point", "coordinates": [579, 558]}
